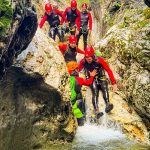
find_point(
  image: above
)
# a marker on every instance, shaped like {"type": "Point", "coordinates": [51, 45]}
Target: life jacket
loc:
{"type": "Point", "coordinates": [71, 16]}
{"type": "Point", "coordinates": [70, 54]}
{"type": "Point", "coordinates": [84, 20]}
{"type": "Point", "coordinates": [53, 19]}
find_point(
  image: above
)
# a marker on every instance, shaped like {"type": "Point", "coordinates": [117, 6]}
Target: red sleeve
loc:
{"type": "Point", "coordinates": [62, 47]}
{"type": "Point", "coordinates": [80, 66]}
{"type": "Point", "coordinates": [109, 71]}
{"type": "Point", "coordinates": [44, 18]}
{"type": "Point", "coordinates": [65, 13]}
{"type": "Point", "coordinates": [80, 51]}
{"type": "Point", "coordinates": [78, 19]}
{"type": "Point", "coordinates": [90, 20]}
{"type": "Point", "coordinates": [82, 81]}
{"type": "Point", "coordinates": [60, 14]}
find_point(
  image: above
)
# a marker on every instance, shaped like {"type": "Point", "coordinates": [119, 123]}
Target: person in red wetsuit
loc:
{"type": "Point", "coordinates": [52, 17]}
{"type": "Point", "coordinates": [89, 63]}
{"type": "Point", "coordinates": [72, 18]}
{"type": "Point", "coordinates": [76, 94]}
{"type": "Point", "coordinates": [86, 20]}
{"type": "Point", "coordinates": [70, 50]}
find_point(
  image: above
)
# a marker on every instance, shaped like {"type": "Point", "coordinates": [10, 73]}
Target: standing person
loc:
{"type": "Point", "coordinates": [72, 18]}
{"type": "Point", "coordinates": [76, 94]}
{"type": "Point", "coordinates": [70, 50]}
{"type": "Point", "coordinates": [52, 17]}
{"type": "Point", "coordinates": [86, 20]}
{"type": "Point", "coordinates": [89, 63]}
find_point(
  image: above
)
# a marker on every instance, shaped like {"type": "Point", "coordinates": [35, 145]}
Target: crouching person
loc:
{"type": "Point", "coordinates": [76, 94]}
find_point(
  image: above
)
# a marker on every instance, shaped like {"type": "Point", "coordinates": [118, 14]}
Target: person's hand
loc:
{"type": "Point", "coordinates": [77, 32]}
{"type": "Point", "coordinates": [93, 73]}
{"type": "Point", "coordinates": [114, 87]}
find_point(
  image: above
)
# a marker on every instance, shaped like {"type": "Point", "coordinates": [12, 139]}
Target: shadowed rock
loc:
{"type": "Point", "coordinates": [32, 113]}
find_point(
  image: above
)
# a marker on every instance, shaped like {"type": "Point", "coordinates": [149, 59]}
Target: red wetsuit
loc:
{"type": "Point", "coordinates": [72, 17]}
{"type": "Point", "coordinates": [100, 64]}
{"type": "Point", "coordinates": [53, 18]}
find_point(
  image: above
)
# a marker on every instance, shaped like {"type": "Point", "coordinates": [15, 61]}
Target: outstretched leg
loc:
{"type": "Point", "coordinates": [60, 35]}
{"type": "Point", "coordinates": [78, 111]}
{"type": "Point", "coordinates": [52, 33]}
{"type": "Point", "coordinates": [95, 95]}
{"type": "Point", "coordinates": [85, 36]}
{"type": "Point", "coordinates": [104, 89]}
{"type": "Point", "coordinates": [78, 37]}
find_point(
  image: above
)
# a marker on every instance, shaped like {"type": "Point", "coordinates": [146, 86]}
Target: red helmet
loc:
{"type": "Point", "coordinates": [89, 52]}
{"type": "Point", "coordinates": [85, 5]}
{"type": "Point", "coordinates": [48, 7]}
{"type": "Point", "coordinates": [72, 39]}
{"type": "Point", "coordinates": [73, 4]}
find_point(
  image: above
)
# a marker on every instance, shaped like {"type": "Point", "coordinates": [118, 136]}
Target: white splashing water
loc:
{"type": "Point", "coordinates": [93, 134]}
{"type": "Point", "coordinates": [97, 135]}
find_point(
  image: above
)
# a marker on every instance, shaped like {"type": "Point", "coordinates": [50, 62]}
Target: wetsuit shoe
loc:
{"type": "Point", "coordinates": [81, 121]}
{"type": "Point", "coordinates": [108, 108]}
{"type": "Point", "coordinates": [99, 114]}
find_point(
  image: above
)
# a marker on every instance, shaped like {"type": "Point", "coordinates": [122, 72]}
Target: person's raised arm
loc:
{"type": "Point", "coordinates": [44, 18]}
{"type": "Point", "coordinates": [80, 65]}
{"type": "Point", "coordinates": [90, 21]}
{"type": "Point", "coordinates": [60, 14]}
{"type": "Point", "coordinates": [62, 47]}
{"type": "Point", "coordinates": [80, 51]}
{"type": "Point", "coordinates": [87, 82]}
{"type": "Point", "coordinates": [109, 71]}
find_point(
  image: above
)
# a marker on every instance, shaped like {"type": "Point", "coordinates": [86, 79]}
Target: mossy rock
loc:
{"type": "Point", "coordinates": [141, 24]}
{"type": "Point", "coordinates": [146, 13]}
{"type": "Point", "coordinates": [6, 15]}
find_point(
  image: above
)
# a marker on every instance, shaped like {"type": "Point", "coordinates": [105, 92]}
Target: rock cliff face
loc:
{"type": "Point", "coordinates": [18, 24]}
{"type": "Point", "coordinates": [43, 56]}
{"type": "Point", "coordinates": [126, 46]}
{"type": "Point", "coordinates": [32, 112]}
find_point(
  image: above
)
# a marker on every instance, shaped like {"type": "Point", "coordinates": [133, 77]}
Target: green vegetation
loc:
{"type": "Point", "coordinates": [109, 20]}
{"type": "Point", "coordinates": [6, 14]}
{"type": "Point", "coordinates": [143, 23]}
{"type": "Point", "coordinates": [126, 21]}
{"type": "Point", "coordinates": [146, 13]}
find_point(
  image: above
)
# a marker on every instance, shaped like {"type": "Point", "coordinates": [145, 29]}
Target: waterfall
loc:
{"type": "Point", "coordinates": [102, 135]}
